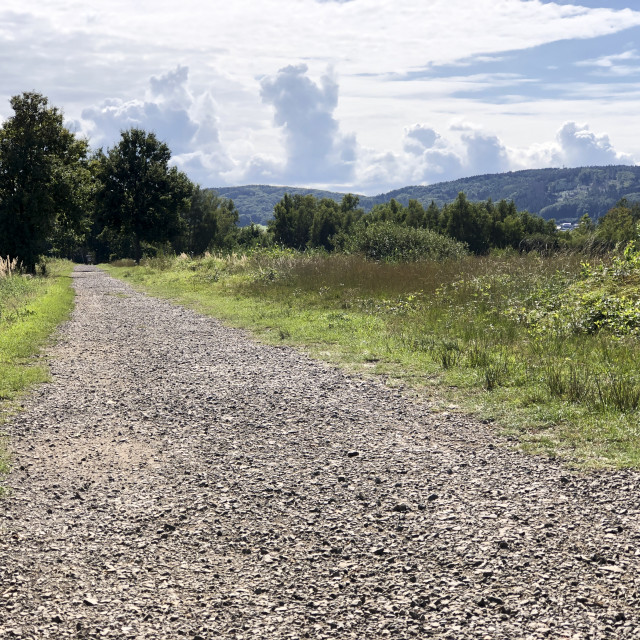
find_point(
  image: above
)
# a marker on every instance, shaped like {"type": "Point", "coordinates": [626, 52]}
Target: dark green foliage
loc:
{"type": "Point", "coordinates": [481, 226]}
{"type": "Point", "coordinates": [256, 202]}
{"type": "Point", "coordinates": [619, 224]}
{"type": "Point", "coordinates": [304, 221]}
{"type": "Point", "coordinates": [45, 183]}
{"type": "Point", "coordinates": [140, 198]}
{"type": "Point", "coordinates": [253, 236]}
{"type": "Point", "coordinates": [327, 221]}
{"type": "Point", "coordinates": [396, 231]}
{"type": "Point", "coordinates": [389, 241]}
{"type": "Point", "coordinates": [561, 194]}
{"type": "Point", "coordinates": [211, 223]}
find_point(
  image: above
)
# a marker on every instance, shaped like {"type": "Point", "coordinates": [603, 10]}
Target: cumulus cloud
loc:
{"type": "Point", "coordinates": [484, 154]}
{"type": "Point", "coordinates": [578, 146]}
{"type": "Point", "coordinates": [419, 137]}
{"type": "Point", "coordinates": [188, 124]}
{"type": "Point", "coordinates": [430, 157]}
{"type": "Point", "coordinates": [316, 150]}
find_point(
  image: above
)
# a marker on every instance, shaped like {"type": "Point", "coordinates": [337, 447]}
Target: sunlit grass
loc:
{"type": "Point", "coordinates": [30, 310]}
{"type": "Point", "coordinates": [482, 334]}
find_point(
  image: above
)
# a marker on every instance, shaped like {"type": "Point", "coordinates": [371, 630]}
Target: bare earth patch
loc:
{"type": "Point", "coordinates": [178, 479]}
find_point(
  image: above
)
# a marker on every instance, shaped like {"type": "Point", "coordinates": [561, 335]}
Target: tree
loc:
{"type": "Point", "coordinates": [211, 222]}
{"type": "Point", "coordinates": [326, 223]}
{"type": "Point", "coordinates": [619, 224]}
{"type": "Point", "coordinates": [45, 184]}
{"type": "Point", "coordinates": [140, 197]}
{"type": "Point", "coordinates": [292, 220]}
{"type": "Point", "coordinates": [467, 222]}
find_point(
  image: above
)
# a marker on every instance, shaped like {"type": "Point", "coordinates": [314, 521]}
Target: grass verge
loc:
{"type": "Point", "coordinates": [545, 348]}
{"type": "Point", "coordinates": [30, 310]}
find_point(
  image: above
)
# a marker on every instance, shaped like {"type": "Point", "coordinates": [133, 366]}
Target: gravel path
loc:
{"type": "Point", "coordinates": [179, 480]}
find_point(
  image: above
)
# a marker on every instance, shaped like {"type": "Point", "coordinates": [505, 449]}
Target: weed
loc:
{"type": "Point", "coordinates": [448, 354]}
{"type": "Point", "coordinates": [124, 262]}
{"type": "Point", "coordinates": [477, 355]}
{"type": "Point", "coordinates": [495, 374]}
{"type": "Point", "coordinates": [618, 392]}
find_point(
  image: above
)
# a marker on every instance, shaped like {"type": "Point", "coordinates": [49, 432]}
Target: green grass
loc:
{"type": "Point", "coordinates": [544, 348]}
{"type": "Point", "coordinates": [30, 310]}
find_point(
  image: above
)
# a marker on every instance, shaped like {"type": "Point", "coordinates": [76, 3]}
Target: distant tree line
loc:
{"type": "Point", "coordinates": [57, 198]}
{"type": "Point", "coordinates": [304, 221]}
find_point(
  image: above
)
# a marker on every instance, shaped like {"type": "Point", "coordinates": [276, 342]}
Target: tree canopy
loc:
{"type": "Point", "coordinates": [45, 183]}
{"type": "Point", "coordinates": [140, 197]}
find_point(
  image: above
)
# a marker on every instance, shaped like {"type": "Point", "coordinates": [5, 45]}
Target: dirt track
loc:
{"type": "Point", "coordinates": [179, 480]}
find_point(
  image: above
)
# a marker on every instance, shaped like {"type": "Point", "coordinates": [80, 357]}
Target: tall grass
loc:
{"type": "Point", "coordinates": [509, 336]}
{"type": "Point", "coordinates": [8, 267]}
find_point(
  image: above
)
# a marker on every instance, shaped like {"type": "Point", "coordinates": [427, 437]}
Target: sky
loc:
{"type": "Point", "coordinates": [349, 95]}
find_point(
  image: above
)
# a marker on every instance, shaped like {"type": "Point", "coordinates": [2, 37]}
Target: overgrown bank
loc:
{"type": "Point", "coordinates": [546, 347]}
{"type": "Point", "coordinates": [31, 308]}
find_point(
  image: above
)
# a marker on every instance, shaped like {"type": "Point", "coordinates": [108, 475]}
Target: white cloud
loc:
{"type": "Point", "coordinates": [316, 151]}
{"type": "Point", "coordinates": [577, 146]}
{"type": "Point", "coordinates": [607, 62]}
{"type": "Point", "coordinates": [429, 157]}
{"type": "Point", "coordinates": [237, 104]}
{"type": "Point", "coordinates": [617, 64]}
{"type": "Point", "coordinates": [419, 137]}
{"type": "Point", "coordinates": [188, 125]}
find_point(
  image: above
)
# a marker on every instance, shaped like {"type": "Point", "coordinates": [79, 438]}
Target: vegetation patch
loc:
{"type": "Point", "coordinates": [514, 338]}
{"type": "Point", "coordinates": [31, 307]}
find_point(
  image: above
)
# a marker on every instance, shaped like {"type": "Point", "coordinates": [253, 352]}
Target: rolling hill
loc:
{"type": "Point", "coordinates": [563, 194]}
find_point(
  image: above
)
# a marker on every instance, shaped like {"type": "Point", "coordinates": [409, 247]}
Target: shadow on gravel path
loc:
{"type": "Point", "coordinates": [179, 480]}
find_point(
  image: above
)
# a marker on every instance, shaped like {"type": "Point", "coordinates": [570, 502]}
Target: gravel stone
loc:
{"type": "Point", "coordinates": [178, 479]}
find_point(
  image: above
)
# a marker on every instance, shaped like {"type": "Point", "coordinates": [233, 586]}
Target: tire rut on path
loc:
{"type": "Point", "coordinates": [177, 479]}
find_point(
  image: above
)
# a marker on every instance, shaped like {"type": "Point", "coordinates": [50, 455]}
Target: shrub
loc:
{"type": "Point", "coordinates": [391, 242]}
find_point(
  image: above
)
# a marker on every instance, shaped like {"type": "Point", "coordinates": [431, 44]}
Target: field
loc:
{"type": "Point", "coordinates": [545, 348]}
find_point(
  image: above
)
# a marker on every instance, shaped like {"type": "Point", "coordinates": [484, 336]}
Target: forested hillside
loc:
{"type": "Point", "coordinates": [563, 194]}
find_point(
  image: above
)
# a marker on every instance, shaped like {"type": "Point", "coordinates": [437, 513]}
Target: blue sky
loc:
{"type": "Point", "coordinates": [361, 95]}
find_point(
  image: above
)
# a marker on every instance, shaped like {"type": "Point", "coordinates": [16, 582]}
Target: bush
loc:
{"type": "Point", "coordinates": [390, 242]}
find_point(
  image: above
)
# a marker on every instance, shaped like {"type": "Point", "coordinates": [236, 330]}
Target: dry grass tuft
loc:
{"type": "Point", "coordinates": [8, 267]}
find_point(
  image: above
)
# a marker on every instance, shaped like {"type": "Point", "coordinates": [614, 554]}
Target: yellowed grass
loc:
{"type": "Point", "coordinates": [8, 266]}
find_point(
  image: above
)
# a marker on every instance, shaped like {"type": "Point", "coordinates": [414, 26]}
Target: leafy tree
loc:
{"type": "Point", "coordinates": [252, 236]}
{"type": "Point", "coordinates": [619, 224]}
{"type": "Point", "coordinates": [326, 223]}
{"type": "Point", "coordinates": [227, 218]}
{"type": "Point", "coordinates": [432, 216]}
{"type": "Point", "coordinates": [467, 222]}
{"type": "Point", "coordinates": [415, 215]}
{"type": "Point", "coordinates": [140, 197]}
{"type": "Point", "coordinates": [350, 213]}
{"type": "Point", "coordinates": [292, 220]}
{"type": "Point", "coordinates": [210, 221]}
{"type": "Point", "coordinates": [45, 182]}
